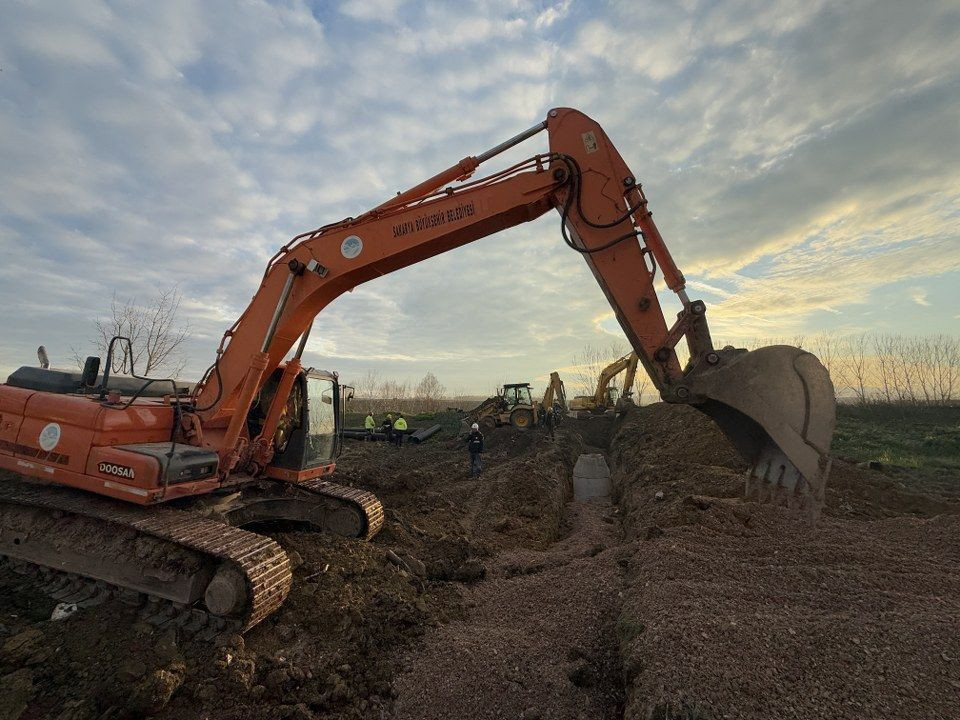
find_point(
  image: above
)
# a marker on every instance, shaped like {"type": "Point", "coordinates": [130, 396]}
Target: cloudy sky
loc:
{"type": "Point", "coordinates": [802, 160]}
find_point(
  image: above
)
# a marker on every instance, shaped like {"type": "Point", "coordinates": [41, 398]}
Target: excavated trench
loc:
{"type": "Point", "coordinates": [639, 605]}
{"type": "Point", "coordinates": [538, 639]}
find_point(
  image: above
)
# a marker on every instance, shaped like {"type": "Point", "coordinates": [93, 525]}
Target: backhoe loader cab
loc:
{"type": "Point", "coordinates": [519, 409]}
{"type": "Point", "coordinates": [517, 394]}
{"type": "Point", "coordinates": [512, 405]}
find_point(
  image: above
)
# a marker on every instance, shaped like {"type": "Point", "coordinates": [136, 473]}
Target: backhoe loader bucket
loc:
{"type": "Point", "coordinates": [777, 406]}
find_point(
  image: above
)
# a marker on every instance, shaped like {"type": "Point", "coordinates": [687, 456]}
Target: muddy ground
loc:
{"type": "Point", "coordinates": [504, 597]}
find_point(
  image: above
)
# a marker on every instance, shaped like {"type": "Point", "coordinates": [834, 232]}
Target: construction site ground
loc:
{"type": "Point", "coordinates": [512, 596]}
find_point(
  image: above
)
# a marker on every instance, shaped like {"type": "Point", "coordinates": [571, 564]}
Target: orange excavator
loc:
{"type": "Point", "coordinates": [142, 487]}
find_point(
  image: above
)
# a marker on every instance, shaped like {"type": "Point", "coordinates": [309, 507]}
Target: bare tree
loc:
{"type": "Point", "coordinates": [640, 384]}
{"type": "Point", "coordinates": [429, 393]}
{"type": "Point", "coordinates": [855, 363]}
{"type": "Point", "coordinates": [946, 367]}
{"type": "Point", "coordinates": [156, 333]}
{"type": "Point", "coordinates": [591, 360]}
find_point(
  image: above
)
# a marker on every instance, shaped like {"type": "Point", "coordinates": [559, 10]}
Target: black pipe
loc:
{"type": "Point", "coordinates": [424, 434]}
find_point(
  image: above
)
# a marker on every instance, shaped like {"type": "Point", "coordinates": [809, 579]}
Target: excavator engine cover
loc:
{"type": "Point", "coordinates": [777, 406]}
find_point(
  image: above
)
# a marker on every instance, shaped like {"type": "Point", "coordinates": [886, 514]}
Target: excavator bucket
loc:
{"type": "Point", "coordinates": [776, 405]}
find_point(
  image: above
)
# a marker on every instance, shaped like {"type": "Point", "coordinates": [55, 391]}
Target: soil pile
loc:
{"type": "Point", "coordinates": [737, 610]}
{"type": "Point", "coordinates": [331, 650]}
{"type": "Point", "coordinates": [326, 651]}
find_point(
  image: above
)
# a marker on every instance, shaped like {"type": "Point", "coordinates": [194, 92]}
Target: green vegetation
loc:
{"type": "Point", "coordinates": [924, 438]}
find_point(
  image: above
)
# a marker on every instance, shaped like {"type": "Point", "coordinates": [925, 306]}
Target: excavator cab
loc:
{"type": "Point", "coordinates": [613, 395]}
{"type": "Point", "coordinates": [307, 438]}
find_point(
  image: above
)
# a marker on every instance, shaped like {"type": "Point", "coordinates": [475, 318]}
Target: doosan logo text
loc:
{"type": "Point", "coordinates": [118, 470]}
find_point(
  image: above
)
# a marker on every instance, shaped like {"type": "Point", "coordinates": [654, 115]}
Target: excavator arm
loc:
{"type": "Point", "coordinates": [776, 404]}
{"type": "Point", "coordinates": [630, 376]}
{"type": "Point", "coordinates": [555, 393]}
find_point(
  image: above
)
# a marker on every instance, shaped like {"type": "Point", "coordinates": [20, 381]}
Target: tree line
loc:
{"type": "Point", "coordinates": [866, 368]}
{"type": "Point", "coordinates": [869, 368]}
{"type": "Point", "coordinates": [377, 394]}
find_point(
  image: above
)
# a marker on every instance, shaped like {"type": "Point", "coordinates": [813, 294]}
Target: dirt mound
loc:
{"type": "Point", "coordinates": [679, 451]}
{"type": "Point", "coordinates": [737, 610]}
{"type": "Point", "coordinates": [855, 491]}
{"type": "Point", "coordinates": [663, 433]}
{"type": "Point", "coordinates": [332, 649]}
{"type": "Point", "coordinates": [326, 651]}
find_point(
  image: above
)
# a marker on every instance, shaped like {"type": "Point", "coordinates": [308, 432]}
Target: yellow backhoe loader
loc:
{"type": "Point", "coordinates": [512, 405]}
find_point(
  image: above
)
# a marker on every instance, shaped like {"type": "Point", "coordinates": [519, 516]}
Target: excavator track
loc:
{"type": "Point", "coordinates": [249, 572]}
{"type": "Point", "coordinates": [322, 505]}
{"type": "Point", "coordinates": [360, 500]}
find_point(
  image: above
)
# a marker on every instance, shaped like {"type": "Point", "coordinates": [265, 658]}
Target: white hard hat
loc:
{"type": "Point", "coordinates": [474, 427]}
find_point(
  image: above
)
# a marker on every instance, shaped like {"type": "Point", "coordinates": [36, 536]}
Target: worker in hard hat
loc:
{"type": "Point", "coordinates": [398, 427]}
{"type": "Point", "coordinates": [386, 427]}
{"type": "Point", "coordinates": [475, 447]}
{"type": "Point", "coordinates": [369, 424]}
{"type": "Point", "coordinates": [550, 421]}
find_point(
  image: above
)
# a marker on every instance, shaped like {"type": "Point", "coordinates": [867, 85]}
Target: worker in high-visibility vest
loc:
{"type": "Point", "coordinates": [398, 427]}
{"type": "Point", "coordinates": [369, 424]}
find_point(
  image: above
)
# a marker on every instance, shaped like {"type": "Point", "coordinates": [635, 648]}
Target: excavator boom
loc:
{"type": "Point", "coordinates": [605, 218]}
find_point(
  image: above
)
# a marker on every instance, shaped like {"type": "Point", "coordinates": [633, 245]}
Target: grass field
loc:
{"type": "Point", "coordinates": [923, 438]}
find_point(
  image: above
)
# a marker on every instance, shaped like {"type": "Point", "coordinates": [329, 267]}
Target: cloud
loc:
{"type": "Point", "coordinates": [796, 157]}
{"type": "Point", "coordinates": [371, 10]}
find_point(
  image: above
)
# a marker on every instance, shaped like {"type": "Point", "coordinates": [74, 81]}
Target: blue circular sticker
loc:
{"type": "Point", "coordinates": [351, 247]}
{"type": "Point", "coordinates": [49, 437]}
